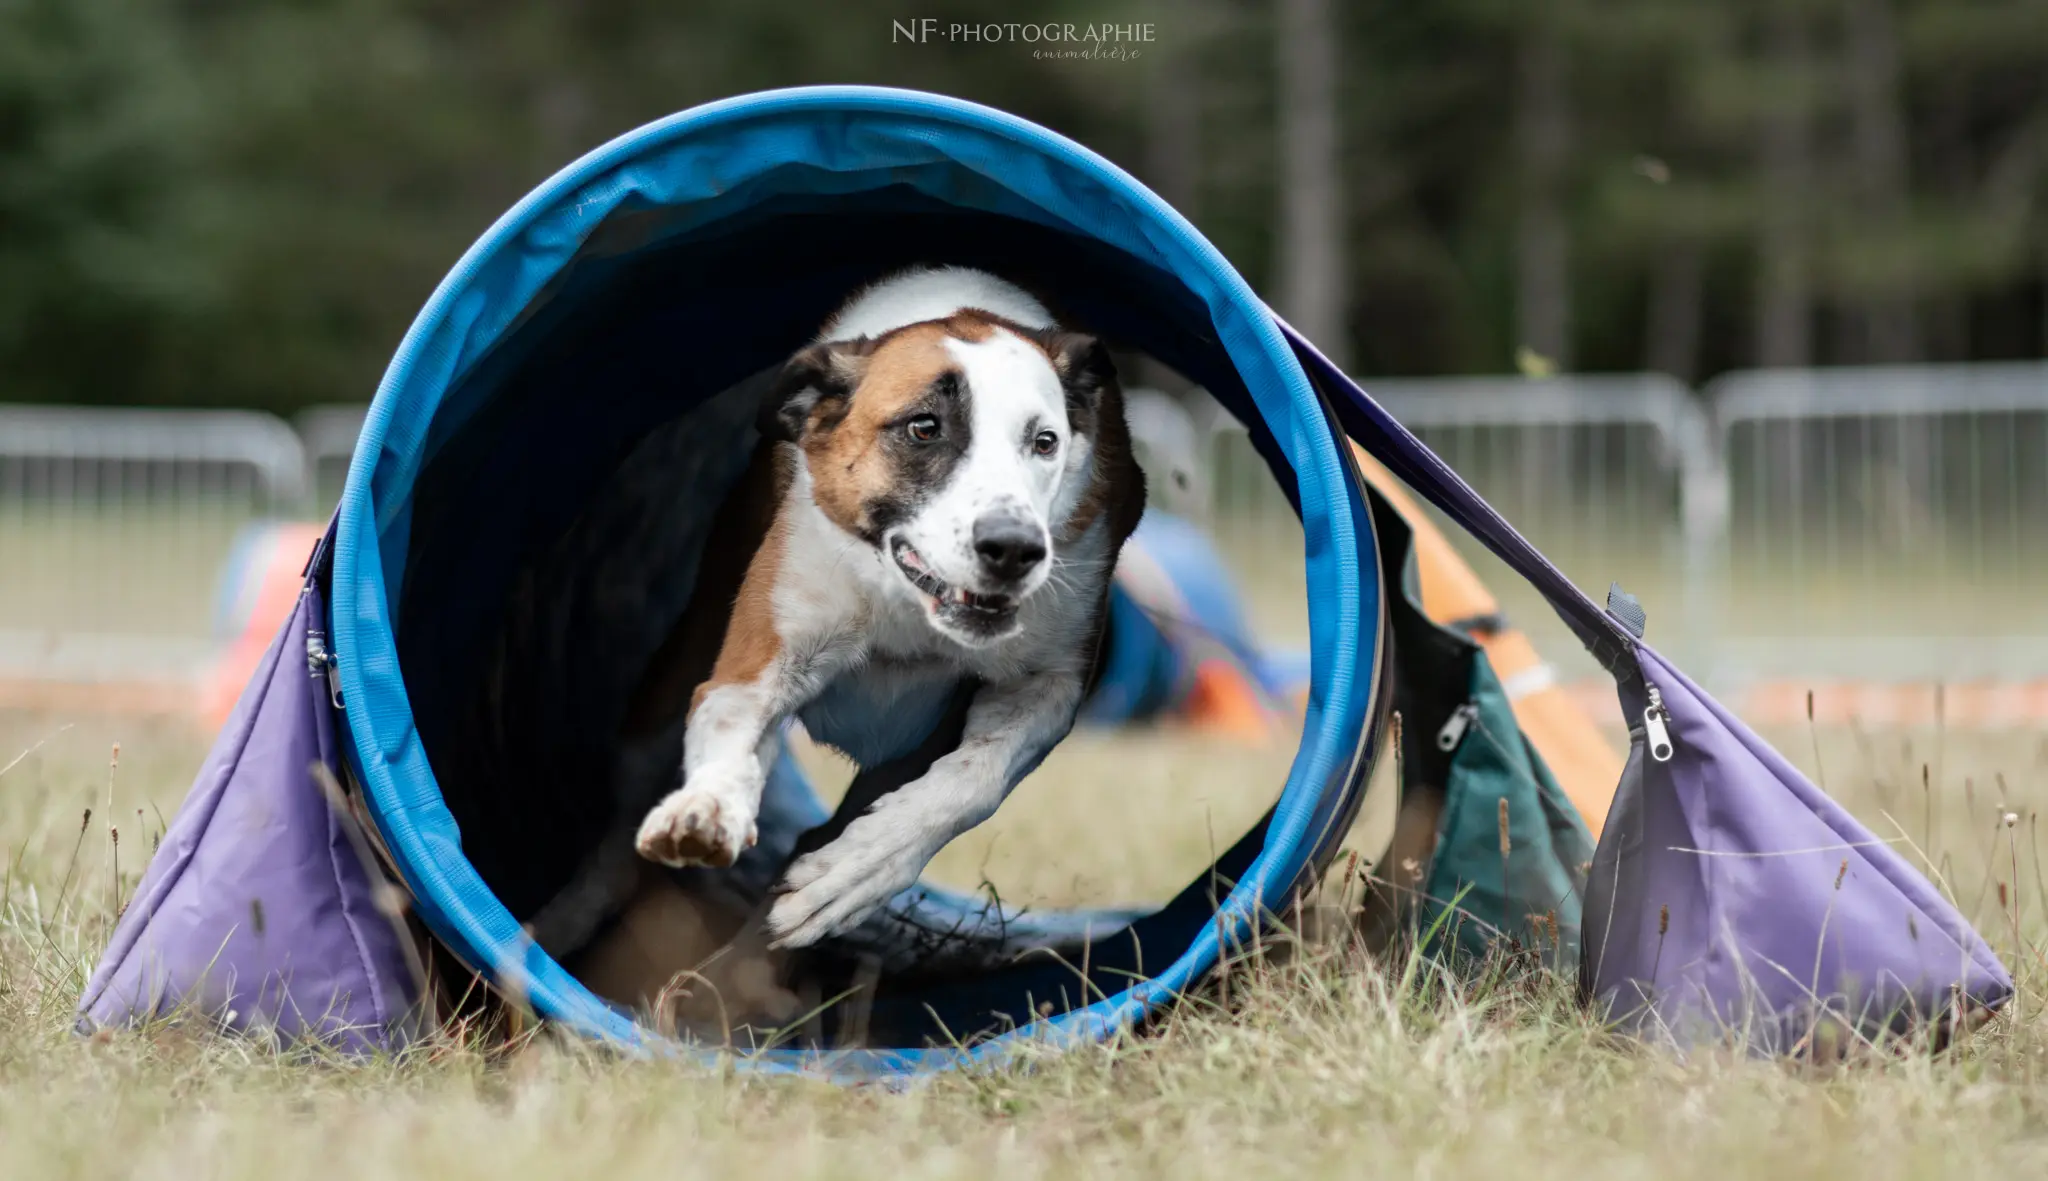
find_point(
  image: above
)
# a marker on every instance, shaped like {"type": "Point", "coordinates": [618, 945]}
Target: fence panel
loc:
{"type": "Point", "coordinates": [1888, 523]}
{"type": "Point", "coordinates": [114, 527]}
{"type": "Point", "coordinates": [1611, 476]}
{"type": "Point", "coordinates": [328, 434]}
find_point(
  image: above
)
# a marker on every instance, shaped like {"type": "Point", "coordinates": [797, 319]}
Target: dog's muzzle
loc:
{"type": "Point", "coordinates": [988, 616]}
{"type": "Point", "coordinates": [1008, 547]}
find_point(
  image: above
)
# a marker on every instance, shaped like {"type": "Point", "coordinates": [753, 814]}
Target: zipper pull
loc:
{"type": "Point", "coordinates": [1448, 738]}
{"type": "Point", "coordinates": [1656, 722]}
{"type": "Point", "coordinates": [321, 662]}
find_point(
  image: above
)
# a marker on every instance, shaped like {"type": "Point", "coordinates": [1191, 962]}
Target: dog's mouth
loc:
{"type": "Point", "coordinates": [986, 614]}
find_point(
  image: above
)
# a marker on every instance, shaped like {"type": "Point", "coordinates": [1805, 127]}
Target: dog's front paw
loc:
{"type": "Point", "coordinates": [694, 826]}
{"type": "Point", "coordinates": [834, 888]}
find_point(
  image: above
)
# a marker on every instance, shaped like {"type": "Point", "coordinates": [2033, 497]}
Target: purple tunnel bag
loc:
{"type": "Point", "coordinates": [1736, 901]}
{"type": "Point", "coordinates": [1730, 900]}
{"type": "Point", "coordinates": [257, 913]}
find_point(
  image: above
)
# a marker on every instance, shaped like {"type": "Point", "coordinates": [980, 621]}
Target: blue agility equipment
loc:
{"type": "Point", "coordinates": [1174, 614]}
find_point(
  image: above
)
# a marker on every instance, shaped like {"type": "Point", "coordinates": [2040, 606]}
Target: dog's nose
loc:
{"type": "Point", "coordinates": [1009, 546]}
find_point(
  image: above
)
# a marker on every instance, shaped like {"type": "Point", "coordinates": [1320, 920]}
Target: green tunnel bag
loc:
{"type": "Point", "coordinates": [1509, 860]}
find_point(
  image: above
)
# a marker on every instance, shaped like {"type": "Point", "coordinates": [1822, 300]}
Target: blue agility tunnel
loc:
{"type": "Point", "coordinates": [670, 265]}
{"type": "Point", "coordinates": [523, 517]}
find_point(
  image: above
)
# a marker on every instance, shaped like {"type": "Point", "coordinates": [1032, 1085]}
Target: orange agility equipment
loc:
{"type": "Point", "coordinates": [262, 581]}
{"type": "Point", "coordinates": [1586, 765]}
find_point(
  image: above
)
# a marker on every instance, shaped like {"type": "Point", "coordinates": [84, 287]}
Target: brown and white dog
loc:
{"type": "Point", "coordinates": [948, 485]}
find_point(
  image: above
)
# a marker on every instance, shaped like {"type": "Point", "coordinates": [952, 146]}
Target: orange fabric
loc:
{"type": "Point", "coordinates": [1586, 765]}
{"type": "Point", "coordinates": [1223, 700]}
{"type": "Point", "coordinates": [280, 575]}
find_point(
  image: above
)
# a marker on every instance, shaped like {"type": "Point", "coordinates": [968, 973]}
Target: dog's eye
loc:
{"type": "Point", "coordinates": [1046, 443]}
{"type": "Point", "coordinates": [922, 429]}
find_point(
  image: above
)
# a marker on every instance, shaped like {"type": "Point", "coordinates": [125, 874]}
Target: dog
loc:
{"type": "Point", "coordinates": [945, 481]}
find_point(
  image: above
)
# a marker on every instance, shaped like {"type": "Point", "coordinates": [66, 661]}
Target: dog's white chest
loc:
{"type": "Point", "coordinates": [879, 710]}
{"type": "Point", "coordinates": [886, 702]}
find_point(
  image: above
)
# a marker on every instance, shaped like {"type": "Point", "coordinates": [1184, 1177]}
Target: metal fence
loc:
{"type": "Point", "coordinates": [1611, 475]}
{"type": "Point", "coordinates": [329, 434]}
{"type": "Point", "coordinates": [114, 527]}
{"type": "Point", "coordinates": [1879, 524]}
{"type": "Point", "coordinates": [1875, 525]}
{"type": "Point", "coordinates": [1886, 523]}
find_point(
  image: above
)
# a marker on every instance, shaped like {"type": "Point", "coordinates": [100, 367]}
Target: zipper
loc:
{"type": "Point", "coordinates": [1657, 724]}
{"type": "Point", "coordinates": [1626, 618]}
{"type": "Point", "coordinates": [321, 662]}
{"type": "Point", "coordinates": [1453, 732]}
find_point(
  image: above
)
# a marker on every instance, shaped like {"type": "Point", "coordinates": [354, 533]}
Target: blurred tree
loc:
{"type": "Point", "coordinates": [102, 256]}
{"type": "Point", "coordinates": [1543, 280]}
{"type": "Point", "coordinates": [1173, 102]}
{"type": "Point", "coordinates": [246, 201]}
{"type": "Point", "coordinates": [1314, 248]}
{"type": "Point", "coordinates": [1973, 234]}
{"type": "Point", "coordinates": [1784, 306]}
{"type": "Point", "coordinates": [1885, 325]}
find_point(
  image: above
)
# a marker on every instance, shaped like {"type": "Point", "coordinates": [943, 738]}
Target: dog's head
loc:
{"type": "Point", "coordinates": [967, 451]}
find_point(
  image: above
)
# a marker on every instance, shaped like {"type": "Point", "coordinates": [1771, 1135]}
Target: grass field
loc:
{"type": "Point", "coordinates": [1324, 1066]}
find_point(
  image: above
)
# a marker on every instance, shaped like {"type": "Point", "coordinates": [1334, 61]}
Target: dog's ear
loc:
{"type": "Point", "coordinates": [1084, 366]}
{"type": "Point", "coordinates": [817, 374]}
